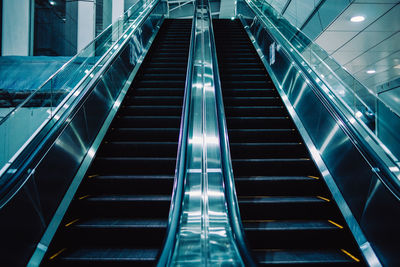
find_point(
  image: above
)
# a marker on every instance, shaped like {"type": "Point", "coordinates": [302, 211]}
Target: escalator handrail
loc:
{"type": "Point", "coordinates": [230, 190]}
{"type": "Point", "coordinates": [371, 150]}
{"type": "Point", "coordinates": [180, 170]}
{"type": "Point", "coordinates": [20, 171]}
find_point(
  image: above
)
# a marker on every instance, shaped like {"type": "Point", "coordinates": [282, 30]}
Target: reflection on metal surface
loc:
{"type": "Point", "coordinates": [359, 188]}
{"type": "Point", "coordinates": [204, 236]}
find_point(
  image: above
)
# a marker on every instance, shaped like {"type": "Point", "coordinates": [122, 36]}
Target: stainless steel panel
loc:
{"type": "Point", "coordinates": [203, 236]}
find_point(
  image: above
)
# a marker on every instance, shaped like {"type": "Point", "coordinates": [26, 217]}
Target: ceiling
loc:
{"type": "Point", "coordinates": [370, 45]}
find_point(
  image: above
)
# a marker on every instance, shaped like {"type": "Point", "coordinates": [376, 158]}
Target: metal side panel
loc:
{"type": "Point", "coordinates": [369, 207]}
{"type": "Point", "coordinates": [204, 235]}
{"type": "Point", "coordinates": [26, 216]}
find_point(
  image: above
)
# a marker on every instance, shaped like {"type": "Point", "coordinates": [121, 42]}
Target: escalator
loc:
{"type": "Point", "coordinates": [288, 214]}
{"type": "Point", "coordinates": [119, 214]}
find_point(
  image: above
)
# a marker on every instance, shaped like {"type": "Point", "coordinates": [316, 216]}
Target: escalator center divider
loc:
{"type": "Point", "coordinates": [118, 216]}
{"type": "Point", "coordinates": [288, 214]}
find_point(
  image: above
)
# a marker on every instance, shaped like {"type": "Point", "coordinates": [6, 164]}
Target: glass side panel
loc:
{"type": "Point", "coordinates": [340, 84]}
{"type": "Point", "coordinates": [32, 110]}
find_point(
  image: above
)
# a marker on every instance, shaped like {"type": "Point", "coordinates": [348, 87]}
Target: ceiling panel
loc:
{"type": "Point", "coordinates": [370, 11]}
{"type": "Point", "coordinates": [388, 22]}
{"type": "Point", "coordinates": [365, 41]}
{"type": "Point", "coordinates": [380, 65]}
{"type": "Point", "coordinates": [390, 44]}
{"type": "Point", "coordinates": [368, 57]}
{"type": "Point", "coordinates": [332, 40]}
{"type": "Point", "coordinates": [394, 59]}
{"type": "Point", "coordinates": [344, 56]}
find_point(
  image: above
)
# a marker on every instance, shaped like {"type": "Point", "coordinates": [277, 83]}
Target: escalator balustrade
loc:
{"type": "Point", "coordinates": [289, 216]}
{"type": "Point", "coordinates": [119, 214]}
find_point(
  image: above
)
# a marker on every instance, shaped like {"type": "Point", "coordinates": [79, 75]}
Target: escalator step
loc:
{"type": "Point", "coordinates": [303, 257]}
{"type": "Point", "coordinates": [165, 76]}
{"type": "Point", "coordinates": [134, 165]}
{"type": "Point", "coordinates": [155, 100]}
{"type": "Point", "coordinates": [246, 84]}
{"type": "Point", "coordinates": [149, 121]}
{"type": "Point", "coordinates": [261, 111]}
{"type": "Point", "coordinates": [158, 110]}
{"type": "Point", "coordinates": [165, 70]}
{"type": "Point", "coordinates": [263, 135]}
{"type": "Point", "coordinates": [144, 134]}
{"type": "Point", "coordinates": [171, 64]}
{"type": "Point", "coordinates": [161, 83]}
{"type": "Point", "coordinates": [115, 232]}
{"type": "Point", "coordinates": [288, 234]}
{"type": "Point", "coordinates": [234, 77]}
{"type": "Point", "coordinates": [284, 207]}
{"type": "Point", "coordinates": [128, 206]}
{"type": "Point", "coordinates": [268, 150]}
{"type": "Point", "coordinates": [259, 122]}
{"type": "Point", "coordinates": [159, 92]}
{"type": "Point", "coordinates": [109, 257]}
{"type": "Point", "coordinates": [279, 185]}
{"type": "Point", "coordinates": [253, 92]}
{"type": "Point", "coordinates": [129, 184]}
{"type": "Point", "coordinates": [139, 149]}
{"type": "Point", "coordinates": [274, 167]}
{"type": "Point", "coordinates": [252, 101]}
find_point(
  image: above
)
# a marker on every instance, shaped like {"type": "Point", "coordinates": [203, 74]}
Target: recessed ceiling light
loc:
{"type": "Point", "coordinates": [357, 19]}
{"type": "Point", "coordinates": [52, 3]}
{"type": "Point", "coordinates": [371, 71]}
{"type": "Point", "coordinates": [397, 66]}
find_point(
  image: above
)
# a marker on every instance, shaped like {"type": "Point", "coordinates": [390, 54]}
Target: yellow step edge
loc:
{"type": "Point", "coordinates": [93, 175]}
{"type": "Point", "coordinates": [324, 198]}
{"type": "Point", "coordinates": [335, 224]}
{"type": "Point", "coordinates": [83, 197]}
{"type": "Point", "coordinates": [314, 177]}
{"type": "Point", "coordinates": [58, 253]}
{"type": "Point", "coordinates": [71, 222]}
{"type": "Point", "coordinates": [351, 256]}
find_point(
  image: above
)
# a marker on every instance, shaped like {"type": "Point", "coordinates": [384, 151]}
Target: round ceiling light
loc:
{"type": "Point", "coordinates": [357, 19]}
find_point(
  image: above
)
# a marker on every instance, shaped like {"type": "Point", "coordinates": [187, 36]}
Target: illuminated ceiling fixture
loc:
{"type": "Point", "coordinates": [52, 3]}
{"type": "Point", "coordinates": [371, 71]}
{"type": "Point", "coordinates": [397, 66]}
{"type": "Point", "coordinates": [357, 19]}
